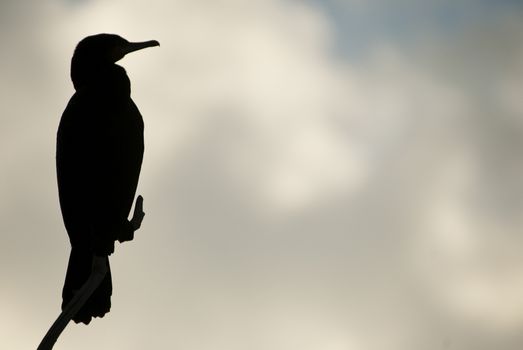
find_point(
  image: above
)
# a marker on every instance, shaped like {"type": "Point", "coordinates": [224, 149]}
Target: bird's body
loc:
{"type": "Point", "coordinates": [99, 155]}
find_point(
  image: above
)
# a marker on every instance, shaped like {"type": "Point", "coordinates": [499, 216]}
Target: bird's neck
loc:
{"type": "Point", "coordinates": [107, 79]}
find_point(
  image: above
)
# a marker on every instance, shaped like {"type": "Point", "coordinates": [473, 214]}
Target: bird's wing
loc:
{"type": "Point", "coordinates": [100, 149]}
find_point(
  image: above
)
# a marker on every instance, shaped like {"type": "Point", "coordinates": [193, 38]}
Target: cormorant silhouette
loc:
{"type": "Point", "coordinates": [98, 158]}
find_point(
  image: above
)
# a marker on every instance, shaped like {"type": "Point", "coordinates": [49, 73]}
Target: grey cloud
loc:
{"type": "Point", "coordinates": [294, 198]}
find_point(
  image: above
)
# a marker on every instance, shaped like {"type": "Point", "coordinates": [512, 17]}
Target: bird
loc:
{"type": "Point", "coordinates": [99, 152]}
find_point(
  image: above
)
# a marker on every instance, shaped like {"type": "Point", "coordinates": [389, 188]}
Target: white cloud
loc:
{"type": "Point", "coordinates": [284, 186]}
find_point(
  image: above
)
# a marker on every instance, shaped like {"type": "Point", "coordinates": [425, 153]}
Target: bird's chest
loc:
{"type": "Point", "coordinates": [102, 127]}
{"type": "Point", "coordinates": [121, 119]}
{"type": "Point", "coordinates": [122, 127]}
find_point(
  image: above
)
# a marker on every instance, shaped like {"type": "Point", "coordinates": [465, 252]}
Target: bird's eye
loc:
{"type": "Point", "coordinates": [116, 53]}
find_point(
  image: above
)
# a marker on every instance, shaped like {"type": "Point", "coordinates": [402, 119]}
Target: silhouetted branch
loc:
{"type": "Point", "coordinates": [98, 271]}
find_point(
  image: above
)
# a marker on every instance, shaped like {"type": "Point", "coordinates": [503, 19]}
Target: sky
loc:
{"type": "Point", "coordinates": [318, 175]}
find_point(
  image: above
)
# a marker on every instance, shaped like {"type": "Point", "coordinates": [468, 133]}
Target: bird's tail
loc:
{"type": "Point", "coordinates": [78, 271]}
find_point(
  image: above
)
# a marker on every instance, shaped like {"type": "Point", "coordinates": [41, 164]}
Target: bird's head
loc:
{"type": "Point", "coordinates": [95, 52]}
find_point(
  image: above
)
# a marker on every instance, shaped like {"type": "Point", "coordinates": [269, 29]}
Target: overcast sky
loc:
{"type": "Point", "coordinates": [318, 175]}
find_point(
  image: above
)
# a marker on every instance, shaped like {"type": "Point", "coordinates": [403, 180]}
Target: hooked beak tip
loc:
{"type": "Point", "coordinates": [151, 43]}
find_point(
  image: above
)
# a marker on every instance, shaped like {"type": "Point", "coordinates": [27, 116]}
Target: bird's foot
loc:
{"type": "Point", "coordinates": [138, 214]}
{"type": "Point", "coordinates": [127, 234]}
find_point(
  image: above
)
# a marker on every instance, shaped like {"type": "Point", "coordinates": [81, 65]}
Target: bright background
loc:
{"type": "Point", "coordinates": [319, 175]}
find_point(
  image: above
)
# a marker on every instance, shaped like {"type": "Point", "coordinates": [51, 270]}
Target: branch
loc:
{"type": "Point", "coordinates": [80, 297]}
{"type": "Point", "coordinates": [98, 271]}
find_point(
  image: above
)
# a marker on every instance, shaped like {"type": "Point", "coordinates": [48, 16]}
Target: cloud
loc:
{"type": "Point", "coordinates": [294, 196]}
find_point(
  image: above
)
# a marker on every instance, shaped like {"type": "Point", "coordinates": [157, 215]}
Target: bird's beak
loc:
{"type": "Point", "coordinates": [130, 47]}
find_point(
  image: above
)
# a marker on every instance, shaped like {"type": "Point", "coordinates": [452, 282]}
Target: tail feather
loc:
{"type": "Point", "coordinates": [78, 271]}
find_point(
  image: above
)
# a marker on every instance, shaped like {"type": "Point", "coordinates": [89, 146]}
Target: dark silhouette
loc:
{"type": "Point", "coordinates": [98, 158]}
